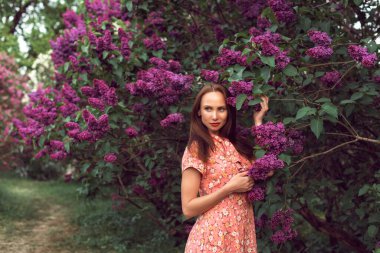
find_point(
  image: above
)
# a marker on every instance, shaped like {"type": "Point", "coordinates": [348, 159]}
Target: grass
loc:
{"type": "Point", "coordinates": [98, 228]}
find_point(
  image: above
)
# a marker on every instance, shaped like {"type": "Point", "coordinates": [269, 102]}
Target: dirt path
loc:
{"type": "Point", "coordinates": [46, 235]}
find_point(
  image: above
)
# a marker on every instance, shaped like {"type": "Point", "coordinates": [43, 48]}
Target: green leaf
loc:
{"type": "Point", "coordinates": [356, 95]}
{"type": "Point", "coordinates": [254, 101]}
{"type": "Point", "coordinates": [358, 2]}
{"type": "Point", "coordinates": [66, 67]}
{"type": "Point", "coordinates": [364, 190]}
{"type": "Point", "coordinates": [265, 73]}
{"type": "Point", "coordinates": [287, 120]}
{"type": "Point", "coordinates": [129, 5]}
{"type": "Point", "coordinates": [67, 147]}
{"type": "Point", "coordinates": [347, 101]}
{"type": "Point", "coordinates": [372, 231]}
{"type": "Point", "coordinates": [290, 70]}
{"type": "Point", "coordinates": [286, 158]}
{"type": "Point", "coordinates": [330, 109]}
{"type": "Point", "coordinates": [268, 60]}
{"type": "Point", "coordinates": [259, 153]}
{"type": "Point", "coordinates": [302, 112]}
{"type": "Point", "coordinates": [316, 126]}
{"type": "Point", "coordinates": [240, 100]}
{"type": "Point", "coordinates": [323, 100]}
{"type": "Point", "coordinates": [319, 73]}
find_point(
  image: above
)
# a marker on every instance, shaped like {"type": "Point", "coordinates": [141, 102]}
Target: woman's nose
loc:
{"type": "Point", "coordinates": [214, 115]}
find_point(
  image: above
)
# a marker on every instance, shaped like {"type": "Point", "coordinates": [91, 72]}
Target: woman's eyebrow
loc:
{"type": "Point", "coordinates": [215, 106]}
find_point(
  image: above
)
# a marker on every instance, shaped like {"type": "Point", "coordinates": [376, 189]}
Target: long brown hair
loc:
{"type": "Point", "coordinates": [199, 134]}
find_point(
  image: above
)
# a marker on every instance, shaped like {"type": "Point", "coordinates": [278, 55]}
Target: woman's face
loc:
{"type": "Point", "coordinates": [213, 111]}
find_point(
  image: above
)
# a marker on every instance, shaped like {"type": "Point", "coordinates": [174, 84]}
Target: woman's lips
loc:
{"type": "Point", "coordinates": [214, 124]}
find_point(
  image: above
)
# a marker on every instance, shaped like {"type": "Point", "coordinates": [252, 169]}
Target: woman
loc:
{"type": "Point", "coordinates": [216, 164]}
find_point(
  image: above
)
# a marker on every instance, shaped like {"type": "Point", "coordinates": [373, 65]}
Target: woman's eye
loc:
{"type": "Point", "coordinates": [222, 109]}
{"type": "Point", "coordinates": [208, 109]}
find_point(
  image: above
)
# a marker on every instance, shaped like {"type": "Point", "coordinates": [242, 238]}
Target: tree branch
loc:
{"type": "Point", "coordinates": [18, 16]}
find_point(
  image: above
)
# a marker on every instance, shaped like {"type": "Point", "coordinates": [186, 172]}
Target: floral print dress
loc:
{"type": "Point", "coordinates": [229, 226]}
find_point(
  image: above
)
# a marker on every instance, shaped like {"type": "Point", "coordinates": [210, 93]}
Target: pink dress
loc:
{"type": "Point", "coordinates": [229, 226]}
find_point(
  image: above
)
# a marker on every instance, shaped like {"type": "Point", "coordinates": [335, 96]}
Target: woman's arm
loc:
{"type": "Point", "coordinates": [192, 205]}
{"type": "Point", "coordinates": [258, 116]}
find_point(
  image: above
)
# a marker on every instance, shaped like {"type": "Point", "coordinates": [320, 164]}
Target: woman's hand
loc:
{"type": "Point", "coordinates": [258, 116]}
{"type": "Point", "coordinates": [241, 182]}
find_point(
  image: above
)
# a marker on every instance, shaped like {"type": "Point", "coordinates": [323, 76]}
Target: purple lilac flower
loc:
{"type": "Point", "coordinates": [68, 109]}
{"type": "Point", "coordinates": [155, 18]}
{"type": "Point", "coordinates": [210, 75]}
{"type": "Point", "coordinates": [103, 9]}
{"type": "Point", "coordinates": [159, 63]}
{"type": "Point", "coordinates": [138, 189]}
{"type": "Point", "coordinates": [369, 60]}
{"type": "Point", "coordinates": [240, 87]}
{"type": "Point", "coordinates": [172, 119]}
{"type": "Point", "coordinates": [164, 85]}
{"type": "Point", "coordinates": [331, 78]}
{"type": "Point", "coordinates": [154, 43]}
{"type": "Point", "coordinates": [320, 52]}
{"type": "Point", "coordinates": [72, 125]}
{"type": "Point", "coordinates": [254, 31]}
{"type": "Point", "coordinates": [250, 9]}
{"type": "Point", "coordinates": [274, 38]}
{"type": "Point", "coordinates": [286, 17]}
{"type": "Point", "coordinates": [282, 219]}
{"type": "Point", "coordinates": [138, 107]}
{"type": "Point", "coordinates": [124, 48]}
{"type": "Point", "coordinates": [271, 137]}
{"type": "Point", "coordinates": [262, 221]}
{"type": "Point", "coordinates": [57, 145]}
{"type": "Point", "coordinates": [110, 158]}
{"type": "Point", "coordinates": [87, 91]}
{"type": "Point", "coordinates": [84, 136]}
{"type": "Point", "coordinates": [357, 52]}
{"type": "Point", "coordinates": [264, 165]}
{"type": "Point", "coordinates": [41, 153]}
{"type": "Point", "coordinates": [229, 57]}
{"type": "Point", "coordinates": [257, 193]}
{"type": "Point", "coordinates": [58, 155]}
{"type": "Point", "coordinates": [219, 34]}
{"type": "Point", "coordinates": [376, 79]}
{"type": "Point", "coordinates": [268, 49]}
{"type": "Point", "coordinates": [263, 23]}
{"type": "Point", "coordinates": [174, 66]}
{"type": "Point", "coordinates": [96, 103]}
{"type": "Point", "coordinates": [131, 132]}
{"type": "Point", "coordinates": [281, 60]}
{"type": "Point", "coordinates": [295, 140]}
{"type": "Point", "coordinates": [319, 38]}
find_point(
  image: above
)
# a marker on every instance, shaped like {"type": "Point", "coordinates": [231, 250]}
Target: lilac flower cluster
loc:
{"type": "Point", "coordinates": [103, 10]}
{"type": "Point", "coordinates": [172, 119]}
{"type": "Point", "coordinates": [155, 19]}
{"type": "Point", "coordinates": [250, 9]}
{"type": "Point", "coordinates": [319, 38]}
{"type": "Point", "coordinates": [322, 41]}
{"type": "Point", "coordinates": [282, 10]}
{"type": "Point", "coordinates": [240, 87]}
{"type": "Point", "coordinates": [70, 99]}
{"type": "Point", "coordinates": [271, 137]}
{"type": "Point", "coordinates": [154, 43]}
{"type": "Point", "coordinates": [263, 23]}
{"type": "Point", "coordinates": [262, 166]}
{"type": "Point", "coordinates": [100, 95]}
{"type": "Point", "coordinates": [110, 158]}
{"type": "Point", "coordinates": [332, 78]}
{"type": "Point", "coordinates": [210, 75]}
{"type": "Point", "coordinates": [96, 128]}
{"type": "Point", "coordinates": [161, 82]}
{"type": "Point", "coordinates": [320, 52]}
{"type": "Point", "coordinates": [131, 132]}
{"type": "Point", "coordinates": [55, 149]}
{"type": "Point", "coordinates": [65, 45]}
{"type": "Point", "coordinates": [360, 54]}
{"type": "Point", "coordinates": [29, 129]}
{"type": "Point", "coordinates": [295, 140]}
{"type": "Point", "coordinates": [284, 220]}
{"type": "Point", "coordinates": [219, 34]}
{"type": "Point", "coordinates": [228, 57]}
{"type": "Point", "coordinates": [267, 42]}
{"type": "Point", "coordinates": [257, 193]}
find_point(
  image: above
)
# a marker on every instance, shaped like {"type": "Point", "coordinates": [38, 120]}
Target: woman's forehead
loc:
{"type": "Point", "coordinates": [214, 98]}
